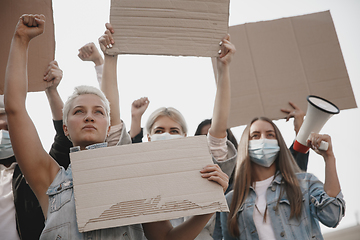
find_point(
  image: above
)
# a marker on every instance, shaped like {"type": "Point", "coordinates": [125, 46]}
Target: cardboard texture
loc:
{"type": "Point", "coordinates": [162, 27]}
{"type": "Point", "coordinates": [41, 48]}
{"type": "Point", "coordinates": [143, 182]}
{"type": "Point", "coordinates": [286, 60]}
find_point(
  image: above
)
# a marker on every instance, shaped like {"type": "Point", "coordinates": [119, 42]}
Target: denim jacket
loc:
{"type": "Point", "coordinates": [61, 218]}
{"type": "Point", "coordinates": [317, 206]}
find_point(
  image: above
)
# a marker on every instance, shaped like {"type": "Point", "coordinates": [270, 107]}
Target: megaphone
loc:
{"type": "Point", "coordinates": [318, 113]}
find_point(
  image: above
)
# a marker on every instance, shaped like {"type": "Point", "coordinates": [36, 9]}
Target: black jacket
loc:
{"type": "Point", "coordinates": [29, 217]}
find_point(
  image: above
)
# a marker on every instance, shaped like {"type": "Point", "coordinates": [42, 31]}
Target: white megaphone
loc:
{"type": "Point", "coordinates": [318, 112]}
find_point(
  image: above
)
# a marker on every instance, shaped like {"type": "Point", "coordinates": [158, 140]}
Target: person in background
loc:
{"type": "Point", "coordinates": [295, 112]}
{"type": "Point", "coordinates": [168, 123]}
{"type": "Point", "coordinates": [203, 129]}
{"type": "Point", "coordinates": [89, 52]}
{"type": "Point", "coordinates": [272, 198]}
{"type": "Point", "coordinates": [138, 107]}
{"type": "Point", "coordinates": [86, 118]}
{"type": "Point", "coordinates": [61, 147]}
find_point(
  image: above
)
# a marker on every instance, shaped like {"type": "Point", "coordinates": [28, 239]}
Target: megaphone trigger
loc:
{"type": "Point", "coordinates": [324, 146]}
{"type": "Point", "coordinates": [318, 112]}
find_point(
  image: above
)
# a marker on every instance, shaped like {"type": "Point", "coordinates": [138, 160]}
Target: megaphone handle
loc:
{"type": "Point", "coordinates": [324, 146]}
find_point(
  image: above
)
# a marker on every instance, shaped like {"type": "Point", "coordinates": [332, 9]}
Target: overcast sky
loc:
{"type": "Point", "coordinates": [187, 83]}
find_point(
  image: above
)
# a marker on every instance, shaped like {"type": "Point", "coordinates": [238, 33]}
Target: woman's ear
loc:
{"type": "Point", "coordinates": [107, 134]}
{"type": "Point", "coordinates": [66, 132]}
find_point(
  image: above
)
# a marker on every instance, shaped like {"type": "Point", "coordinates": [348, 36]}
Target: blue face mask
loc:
{"type": "Point", "coordinates": [6, 150]}
{"type": "Point", "coordinates": [263, 151]}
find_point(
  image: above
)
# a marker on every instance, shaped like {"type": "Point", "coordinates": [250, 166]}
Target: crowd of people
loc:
{"type": "Point", "coordinates": [269, 193]}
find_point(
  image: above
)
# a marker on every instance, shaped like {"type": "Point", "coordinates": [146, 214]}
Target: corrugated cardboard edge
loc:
{"type": "Point", "coordinates": [91, 225]}
{"type": "Point", "coordinates": [181, 48]}
{"type": "Point", "coordinates": [255, 105]}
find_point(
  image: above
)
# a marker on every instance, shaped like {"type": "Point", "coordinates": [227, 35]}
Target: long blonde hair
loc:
{"type": "Point", "coordinates": [244, 178]}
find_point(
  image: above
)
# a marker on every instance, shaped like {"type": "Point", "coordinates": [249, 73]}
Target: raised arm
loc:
{"type": "Point", "coordinates": [222, 99]}
{"type": "Point", "coordinates": [60, 148]}
{"type": "Point", "coordinates": [298, 114]}
{"type": "Point", "coordinates": [109, 79]}
{"type": "Point", "coordinates": [138, 107]}
{"type": "Point", "coordinates": [295, 113]}
{"type": "Point", "coordinates": [332, 184]}
{"type": "Point", "coordinates": [53, 76]}
{"type": "Point", "coordinates": [37, 166]}
{"type": "Point", "coordinates": [89, 52]}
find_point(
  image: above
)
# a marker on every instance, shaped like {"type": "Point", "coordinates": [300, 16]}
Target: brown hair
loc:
{"type": "Point", "coordinates": [285, 164]}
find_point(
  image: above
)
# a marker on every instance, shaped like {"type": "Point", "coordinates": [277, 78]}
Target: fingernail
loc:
{"type": "Point", "coordinates": [220, 43]}
{"type": "Point", "coordinates": [219, 52]}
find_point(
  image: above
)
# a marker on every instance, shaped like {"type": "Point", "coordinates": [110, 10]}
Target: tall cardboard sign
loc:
{"type": "Point", "coordinates": [162, 27]}
{"type": "Point", "coordinates": [145, 182]}
{"type": "Point", "coordinates": [41, 48]}
{"type": "Point", "coordinates": [286, 60]}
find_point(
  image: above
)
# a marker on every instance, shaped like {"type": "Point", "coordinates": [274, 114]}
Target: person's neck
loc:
{"type": "Point", "coordinates": [261, 173]}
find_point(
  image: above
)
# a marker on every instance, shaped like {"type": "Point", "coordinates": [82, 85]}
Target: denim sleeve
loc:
{"type": "Point", "coordinates": [224, 227]}
{"type": "Point", "coordinates": [217, 235]}
{"type": "Point", "coordinates": [328, 210]}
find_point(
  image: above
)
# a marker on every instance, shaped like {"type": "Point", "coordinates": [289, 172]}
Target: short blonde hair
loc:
{"type": "Point", "coordinates": [170, 112]}
{"type": "Point", "coordinates": [82, 90]}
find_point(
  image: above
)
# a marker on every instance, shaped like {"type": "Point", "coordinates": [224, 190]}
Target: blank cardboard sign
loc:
{"type": "Point", "coordinates": [162, 27]}
{"type": "Point", "coordinates": [41, 48]}
{"type": "Point", "coordinates": [286, 60]}
{"type": "Point", "coordinates": [145, 182]}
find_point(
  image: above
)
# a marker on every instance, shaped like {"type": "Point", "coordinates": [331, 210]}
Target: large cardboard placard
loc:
{"type": "Point", "coordinates": [41, 48]}
{"type": "Point", "coordinates": [286, 60]}
{"type": "Point", "coordinates": [143, 182]}
{"type": "Point", "coordinates": [162, 27]}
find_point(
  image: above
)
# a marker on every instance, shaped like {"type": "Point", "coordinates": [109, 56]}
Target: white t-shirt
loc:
{"type": "Point", "coordinates": [264, 229]}
{"type": "Point", "coordinates": [7, 207]}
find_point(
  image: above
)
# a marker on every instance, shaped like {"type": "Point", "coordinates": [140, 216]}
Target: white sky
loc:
{"type": "Point", "coordinates": [188, 84]}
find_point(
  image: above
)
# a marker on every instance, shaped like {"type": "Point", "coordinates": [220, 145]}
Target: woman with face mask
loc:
{"type": "Point", "coordinates": [168, 123]}
{"type": "Point", "coordinates": [272, 197]}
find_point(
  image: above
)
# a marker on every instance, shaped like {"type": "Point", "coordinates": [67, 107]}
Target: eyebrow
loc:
{"type": "Point", "coordinates": [265, 131]}
{"type": "Point", "coordinates": [81, 106]}
{"type": "Point", "coordinates": [162, 128]}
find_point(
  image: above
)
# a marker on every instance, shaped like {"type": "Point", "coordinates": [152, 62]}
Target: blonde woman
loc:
{"type": "Point", "coordinates": [86, 122]}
